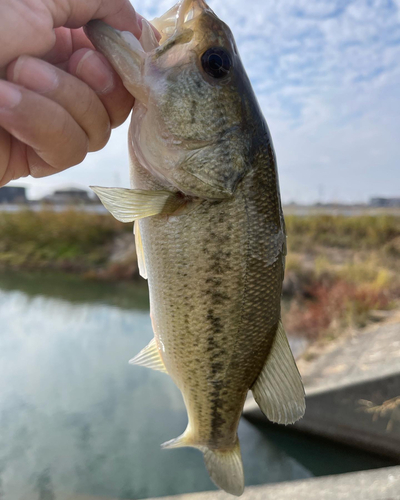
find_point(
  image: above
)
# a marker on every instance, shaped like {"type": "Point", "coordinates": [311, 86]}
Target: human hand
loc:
{"type": "Point", "coordinates": [62, 99]}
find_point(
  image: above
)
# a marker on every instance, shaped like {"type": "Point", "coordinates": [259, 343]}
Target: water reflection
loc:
{"type": "Point", "coordinates": [77, 419]}
{"type": "Point", "coordinates": [71, 288]}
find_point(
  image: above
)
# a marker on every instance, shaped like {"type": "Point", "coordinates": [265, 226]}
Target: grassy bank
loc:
{"type": "Point", "coordinates": [339, 269]}
{"type": "Point", "coordinates": [365, 232]}
{"type": "Point", "coordinates": [64, 241]}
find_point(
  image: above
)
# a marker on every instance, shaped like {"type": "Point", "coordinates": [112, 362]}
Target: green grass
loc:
{"type": "Point", "coordinates": [360, 233]}
{"type": "Point", "coordinates": [70, 239]}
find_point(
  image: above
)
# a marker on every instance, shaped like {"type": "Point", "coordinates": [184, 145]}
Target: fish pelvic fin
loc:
{"type": "Point", "coordinates": [139, 250]}
{"type": "Point", "coordinates": [149, 357]}
{"type": "Point", "coordinates": [224, 466]}
{"type": "Point", "coordinates": [278, 390]}
{"type": "Point", "coordinates": [128, 205]}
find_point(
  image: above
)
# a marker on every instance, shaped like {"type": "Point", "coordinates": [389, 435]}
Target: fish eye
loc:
{"type": "Point", "coordinates": [216, 62]}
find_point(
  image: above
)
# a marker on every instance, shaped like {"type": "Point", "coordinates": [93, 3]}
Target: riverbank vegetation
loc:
{"type": "Point", "coordinates": [70, 240]}
{"type": "Point", "coordinates": [340, 270]}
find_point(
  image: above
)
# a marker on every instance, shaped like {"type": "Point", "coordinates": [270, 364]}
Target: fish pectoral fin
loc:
{"type": "Point", "coordinates": [139, 251]}
{"type": "Point", "coordinates": [128, 205]}
{"type": "Point", "coordinates": [150, 357]}
{"type": "Point", "coordinates": [278, 390]}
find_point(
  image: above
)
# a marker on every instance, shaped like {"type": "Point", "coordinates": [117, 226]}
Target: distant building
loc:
{"type": "Point", "coordinates": [385, 202]}
{"type": "Point", "coordinates": [71, 196]}
{"type": "Point", "coordinates": [13, 195]}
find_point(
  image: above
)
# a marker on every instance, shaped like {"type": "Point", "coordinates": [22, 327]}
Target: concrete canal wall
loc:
{"type": "Point", "coordinates": [380, 484]}
{"type": "Point", "coordinates": [353, 390]}
{"type": "Point", "coordinates": [353, 396]}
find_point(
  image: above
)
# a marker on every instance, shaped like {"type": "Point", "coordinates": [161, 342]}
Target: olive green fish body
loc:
{"type": "Point", "coordinates": [209, 229]}
{"type": "Point", "coordinates": [215, 278]}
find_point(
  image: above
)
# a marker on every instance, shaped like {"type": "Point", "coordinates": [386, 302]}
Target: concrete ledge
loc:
{"type": "Point", "coordinates": [379, 484]}
{"type": "Point", "coordinates": [342, 414]}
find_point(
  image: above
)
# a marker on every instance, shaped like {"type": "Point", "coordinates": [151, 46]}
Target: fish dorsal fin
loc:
{"type": "Point", "coordinates": [149, 357]}
{"type": "Point", "coordinates": [128, 205]}
{"type": "Point", "coordinates": [278, 390]}
{"type": "Point", "coordinates": [139, 250]}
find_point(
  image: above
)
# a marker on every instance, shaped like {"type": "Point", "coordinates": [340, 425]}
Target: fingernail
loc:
{"type": "Point", "coordinates": [94, 71]}
{"type": "Point", "coordinates": [35, 75]}
{"type": "Point", "coordinates": [10, 96]}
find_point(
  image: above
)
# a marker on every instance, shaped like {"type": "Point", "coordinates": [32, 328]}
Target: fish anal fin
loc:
{"type": "Point", "coordinates": [128, 205]}
{"type": "Point", "coordinates": [278, 390]}
{"type": "Point", "coordinates": [150, 357]}
{"type": "Point", "coordinates": [180, 442]}
{"type": "Point", "coordinates": [139, 251]}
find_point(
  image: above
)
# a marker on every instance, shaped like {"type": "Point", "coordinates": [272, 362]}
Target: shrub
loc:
{"type": "Point", "coordinates": [334, 307]}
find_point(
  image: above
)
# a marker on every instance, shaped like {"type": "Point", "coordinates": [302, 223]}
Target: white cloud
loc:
{"type": "Point", "coordinates": [327, 75]}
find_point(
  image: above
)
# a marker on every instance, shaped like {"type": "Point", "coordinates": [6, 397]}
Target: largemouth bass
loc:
{"type": "Point", "coordinates": [209, 228]}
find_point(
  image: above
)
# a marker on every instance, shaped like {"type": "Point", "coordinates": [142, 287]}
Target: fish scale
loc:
{"type": "Point", "coordinates": [209, 229]}
{"type": "Point", "coordinates": [213, 264]}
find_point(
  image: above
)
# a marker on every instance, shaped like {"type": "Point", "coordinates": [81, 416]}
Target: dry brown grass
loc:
{"type": "Point", "coordinates": [69, 240]}
{"type": "Point", "coordinates": [388, 409]}
{"type": "Point", "coordinates": [339, 270]}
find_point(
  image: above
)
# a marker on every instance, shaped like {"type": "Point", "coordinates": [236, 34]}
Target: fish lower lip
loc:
{"type": "Point", "coordinates": [125, 53]}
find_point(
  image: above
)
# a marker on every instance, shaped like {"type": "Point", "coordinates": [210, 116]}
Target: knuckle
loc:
{"type": "Point", "coordinates": [5, 156]}
{"type": "Point", "coordinates": [119, 118]}
{"type": "Point", "coordinates": [96, 122]}
{"type": "Point", "coordinates": [70, 146]}
{"type": "Point", "coordinates": [120, 111]}
{"type": "Point", "coordinates": [13, 160]}
{"type": "Point", "coordinates": [38, 19]}
{"type": "Point", "coordinates": [98, 140]}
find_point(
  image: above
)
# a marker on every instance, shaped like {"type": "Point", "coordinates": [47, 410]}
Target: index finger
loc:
{"type": "Point", "coordinates": [74, 13]}
{"type": "Point", "coordinates": [69, 41]}
{"type": "Point", "coordinates": [36, 20]}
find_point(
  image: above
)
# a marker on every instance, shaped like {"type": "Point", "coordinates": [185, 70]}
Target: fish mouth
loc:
{"type": "Point", "coordinates": [127, 54]}
{"type": "Point", "coordinates": [124, 52]}
{"type": "Point", "coordinates": [174, 19]}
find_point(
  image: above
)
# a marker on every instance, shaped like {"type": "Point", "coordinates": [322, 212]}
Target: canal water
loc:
{"type": "Point", "coordinates": [76, 419]}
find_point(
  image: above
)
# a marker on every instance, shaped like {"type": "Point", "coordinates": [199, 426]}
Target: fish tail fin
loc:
{"type": "Point", "coordinates": [224, 466]}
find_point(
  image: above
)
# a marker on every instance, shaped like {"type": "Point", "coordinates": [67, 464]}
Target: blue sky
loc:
{"type": "Point", "coordinates": [327, 75]}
